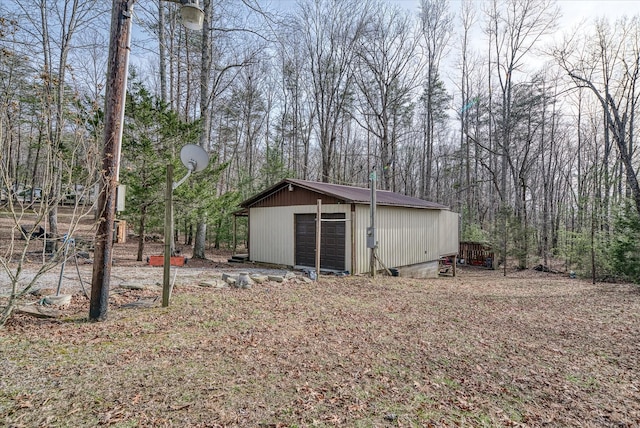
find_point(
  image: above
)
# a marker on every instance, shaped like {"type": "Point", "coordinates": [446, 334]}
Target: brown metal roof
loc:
{"type": "Point", "coordinates": [348, 194]}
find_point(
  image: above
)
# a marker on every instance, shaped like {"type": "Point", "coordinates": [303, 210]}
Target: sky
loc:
{"type": "Point", "coordinates": [572, 8]}
{"type": "Point", "coordinates": [575, 14]}
{"type": "Point", "coordinates": [573, 11]}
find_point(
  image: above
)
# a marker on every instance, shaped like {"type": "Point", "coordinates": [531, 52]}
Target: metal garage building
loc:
{"type": "Point", "coordinates": [412, 234]}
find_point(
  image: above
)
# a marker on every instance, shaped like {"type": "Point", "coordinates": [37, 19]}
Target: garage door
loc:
{"type": "Point", "coordinates": [332, 241]}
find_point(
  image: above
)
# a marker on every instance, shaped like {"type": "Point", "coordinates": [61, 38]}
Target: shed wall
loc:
{"type": "Point", "coordinates": [272, 232]}
{"type": "Point", "coordinates": [405, 236]}
{"type": "Point", "coordinates": [296, 196]}
{"type": "Point", "coordinates": [449, 241]}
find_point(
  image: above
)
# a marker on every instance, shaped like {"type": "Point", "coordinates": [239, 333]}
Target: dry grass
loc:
{"type": "Point", "coordinates": [476, 350]}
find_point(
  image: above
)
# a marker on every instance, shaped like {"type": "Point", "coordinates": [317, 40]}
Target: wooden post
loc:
{"type": "Point", "coordinates": [455, 263]}
{"type": "Point", "coordinates": [116, 86]}
{"type": "Point", "coordinates": [121, 233]}
{"type": "Point", "coordinates": [168, 202]}
{"type": "Point", "coordinates": [318, 237]}
{"type": "Point", "coordinates": [235, 232]}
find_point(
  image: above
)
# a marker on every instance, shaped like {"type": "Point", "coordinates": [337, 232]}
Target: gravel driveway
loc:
{"type": "Point", "coordinates": [144, 275]}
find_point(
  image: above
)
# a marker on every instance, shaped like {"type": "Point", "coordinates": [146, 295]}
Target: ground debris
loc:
{"type": "Point", "coordinates": [475, 350]}
{"type": "Point", "coordinates": [38, 311]}
{"type": "Point", "coordinates": [143, 302]}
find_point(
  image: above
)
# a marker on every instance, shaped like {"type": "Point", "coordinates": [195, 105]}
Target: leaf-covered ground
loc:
{"type": "Point", "coordinates": [475, 350]}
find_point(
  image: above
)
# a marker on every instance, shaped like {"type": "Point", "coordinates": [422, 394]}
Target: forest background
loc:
{"type": "Point", "coordinates": [524, 128]}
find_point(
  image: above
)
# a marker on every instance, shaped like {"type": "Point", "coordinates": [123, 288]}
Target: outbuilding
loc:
{"type": "Point", "coordinates": [413, 235]}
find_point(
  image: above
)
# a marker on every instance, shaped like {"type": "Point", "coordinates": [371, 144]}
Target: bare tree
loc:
{"type": "Point", "coordinates": [331, 31]}
{"type": "Point", "coordinates": [437, 24]}
{"type": "Point", "coordinates": [515, 27]}
{"type": "Point", "coordinates": [611, 73]}
{"type": "Point", "coordinates": [26, 240]}
{"type": "Point", "coordinates": [297, 111]}
{"type": "Point", "coordinates": [467, 105]}
{"type": "Point", "coordinates": [55, 26]}
{"type": "Point", "coordinates": [205, 113]}
{"type": "Point", "coordinates": [387, 73]}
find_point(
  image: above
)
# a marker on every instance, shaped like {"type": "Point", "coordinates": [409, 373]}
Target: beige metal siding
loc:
{"type": "Point", "coordinates": [272, 232]}
{"type": "Point", "coordinates": [271, 235]}
{"type": "Point", "coordinates": [449, 241]}
{"type": "Point", "coordinates": [360, 236]}
{"type": "Point", "coordinates": [406, 236]}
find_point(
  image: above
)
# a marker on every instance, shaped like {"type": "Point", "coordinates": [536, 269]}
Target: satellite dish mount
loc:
{"type": "Point", "coordinates": [194, 158]}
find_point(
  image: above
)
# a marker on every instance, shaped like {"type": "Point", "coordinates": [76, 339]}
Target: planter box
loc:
{"type": "Point", "coordinates": [159, 261]}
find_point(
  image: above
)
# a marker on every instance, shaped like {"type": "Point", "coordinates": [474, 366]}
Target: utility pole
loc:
{"type": "Point", "coordinates": [116, 90]}
{"type": "Point", "coordinates": [116, 85]}
{"type": "Point", "coordinates": [372, 242]}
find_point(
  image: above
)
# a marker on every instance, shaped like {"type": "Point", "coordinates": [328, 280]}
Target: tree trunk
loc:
{"type": "Point", "coordinates": [199, 245]}
{"type": "Point", "coordinates": [189, 236]}
{"type": "Point", "coordinates": [205, 115]}
{"type": "Point", "coordinates": [162, 53]}
{"type": "Point", "coordinates": [141, 232]}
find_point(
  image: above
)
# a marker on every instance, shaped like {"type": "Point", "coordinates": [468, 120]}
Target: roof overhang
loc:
{"type": "Point", "coordinates": [347, 194]}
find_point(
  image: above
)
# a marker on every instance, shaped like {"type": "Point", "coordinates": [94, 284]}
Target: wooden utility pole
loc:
{"type": "Point", "coordinates": [372, 242]}
{"type": "Point", "coordinates": [116, 86]}
{"type": "Point", "coordinates": [117, 71]}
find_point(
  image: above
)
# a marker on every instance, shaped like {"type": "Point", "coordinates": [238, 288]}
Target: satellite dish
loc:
{"type": "Point", "coordinates": [194, 158]}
